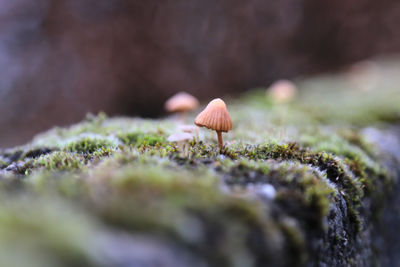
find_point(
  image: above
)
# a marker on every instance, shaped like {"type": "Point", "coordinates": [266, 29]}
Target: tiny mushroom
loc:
{"type": "Point", "coordinates": [282, 91]}
{"type": "Point", "coordinates": [215, 117]}
{"type": "Point", "coordinates": [181, 139]}
{"type": "Point", "coordinates": [181, 103]}
{"type": "Point", "coordinates": [190, 129]}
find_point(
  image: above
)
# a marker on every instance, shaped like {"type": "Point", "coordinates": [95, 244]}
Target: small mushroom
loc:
{"type": "Point", "coordinates": [181, 139]}
{"type": "Point", "coordinates": [181, 103]}
{"type": "Point", "coordinates": [190, 129]}
{"type": "Point", "coordinates": [282, 91]}
{"type": "Point", "coordinates": [215, 117]}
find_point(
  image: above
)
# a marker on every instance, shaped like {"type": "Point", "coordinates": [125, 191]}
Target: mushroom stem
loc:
{"type": "Point", "coordinates": [220, 142]}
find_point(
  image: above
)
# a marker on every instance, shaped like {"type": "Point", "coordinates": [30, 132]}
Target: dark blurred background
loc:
{"type": "Point", "coordinates": [60, 59]}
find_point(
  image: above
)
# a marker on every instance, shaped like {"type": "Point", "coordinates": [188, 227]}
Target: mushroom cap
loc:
{"type": "Point", "coordinates": [215, 117]}
{"type": "Point", "coordinates": [282, 91]}
{"type": "Point", "coordinates": [181, 102]}
{"type": "Point", "coordinates": [178, 137]}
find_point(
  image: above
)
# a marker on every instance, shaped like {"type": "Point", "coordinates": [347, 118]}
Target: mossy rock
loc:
{"type": "Point", "coordinates": [292, 187]}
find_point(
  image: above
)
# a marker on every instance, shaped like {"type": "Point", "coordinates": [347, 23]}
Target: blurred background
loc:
{"type": "Point", "coordinates": [60, 59]}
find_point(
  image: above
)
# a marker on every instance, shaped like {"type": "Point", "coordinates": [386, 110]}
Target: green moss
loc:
{"type": "Point", "coordinates": [87, 145]}
{"type": "Point", "coordinates": [44, 232]}
{"type": "Point", "coordinates": [3, 164]}
{"type": "Point", "coordinates": [354, 218]}
{"type": "Point", "coordinates": [323, 161]}
{"type": "Point", "coordinates": [296, 185]}
{"type": "Point", "coordinates": [296, 244]}
{"type": "Point", "coordinates": [60, 160]}
{"type": "Point", "coordinates": [354, 137]}
{"type": "Point", "coordinates": [138, 139]}
{"type": "Point", "coordinates": [355, 175]}
{"type": "Point", "coordinates": [317, 197]}
{"type": "Point", "coordinates": [189, 209]}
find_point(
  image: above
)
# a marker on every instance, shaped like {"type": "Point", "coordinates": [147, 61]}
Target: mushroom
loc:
{"type": "Point", "coordinates": [215, 117]}
{"type": "Point", "coordinates": [181, 139]}
{"type": "Point", "coordinates": [190, 129]}
{"type": "Point", "coordinates": [181, 103]}
{"type": "Point", "coordinates": [282, 91]}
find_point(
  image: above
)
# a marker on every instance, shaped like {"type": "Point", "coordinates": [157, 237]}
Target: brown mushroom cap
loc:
{"type": "Point", "coordinates": [181, 102]}
{"type": "Point", "coordinates": [215, 116]}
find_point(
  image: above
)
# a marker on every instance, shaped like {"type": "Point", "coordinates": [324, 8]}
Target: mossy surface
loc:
{"type": "Point", "coordinates": [290, 187]}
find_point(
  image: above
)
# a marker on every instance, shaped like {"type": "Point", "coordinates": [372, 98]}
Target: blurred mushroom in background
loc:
{"type": "Point", "coordinates": [282, 91]}
{"type": "Point", "coordinates": [181, 103]}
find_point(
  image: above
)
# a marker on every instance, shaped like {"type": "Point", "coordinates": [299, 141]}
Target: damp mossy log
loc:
{"type": "Point", "coordinates": [308, 183]}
